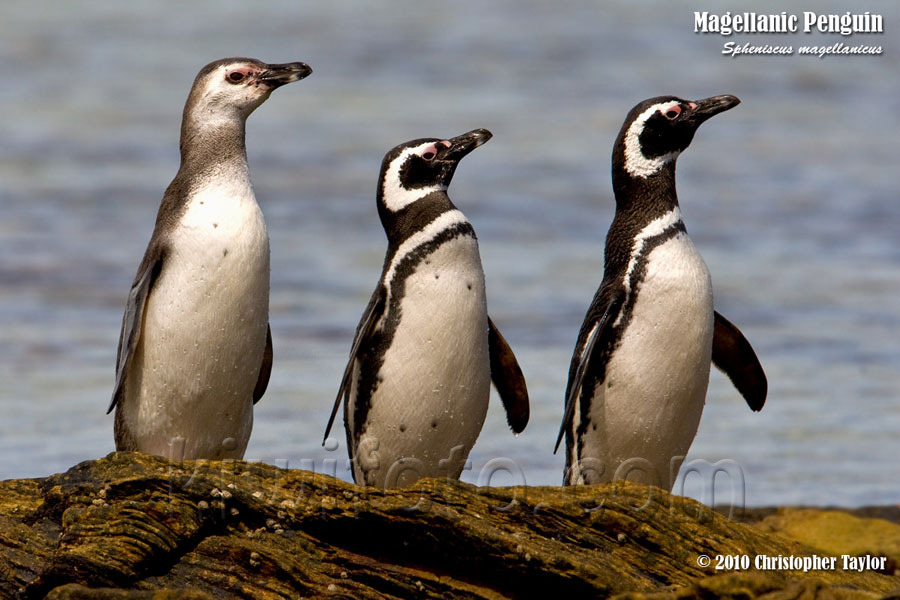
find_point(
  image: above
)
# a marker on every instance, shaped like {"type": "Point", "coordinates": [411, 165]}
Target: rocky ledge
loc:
{"type": "Point", "coordinates": [131, 526]}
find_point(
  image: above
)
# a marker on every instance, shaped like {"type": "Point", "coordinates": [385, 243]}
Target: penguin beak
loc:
{"type": "Point", "coordinates": [708, 107]}
{"type": "Point", "coordinates": [461, 145]}
{"type": "Point", "coordinates": [278, 75]}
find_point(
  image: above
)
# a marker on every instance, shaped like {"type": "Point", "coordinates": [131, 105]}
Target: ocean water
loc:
{"type": "Point", "coordinates": [790, 197]}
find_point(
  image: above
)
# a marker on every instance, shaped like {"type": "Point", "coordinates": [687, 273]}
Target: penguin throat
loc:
{"type": "Point", "coordinates": [652, 195]}
{"type": "Point", "coordinates": [207, 143]}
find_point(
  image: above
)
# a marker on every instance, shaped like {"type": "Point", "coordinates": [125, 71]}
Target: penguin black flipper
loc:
{"type": "Point", "coordinates": [594, 339]}
{"type": "Point", "coordinates": [147, 274]}
{"type": "Point", "coordinates": [733, 355]}
{"type": "Point", "coordinates": [265, 369]}
{"type": "Point", "coordinates": [508, 379]}
{"type": "Point", "coordinates": [370, 318]}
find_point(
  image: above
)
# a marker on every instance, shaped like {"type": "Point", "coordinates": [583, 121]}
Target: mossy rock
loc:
{"type": "Point", "coordinates": [837, 532]}
{"type": "Point", "coordinates": [131, 526]}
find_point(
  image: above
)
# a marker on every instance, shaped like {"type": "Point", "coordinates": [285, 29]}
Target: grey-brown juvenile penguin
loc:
{"type": "Point", "coordinates": [195, 350]}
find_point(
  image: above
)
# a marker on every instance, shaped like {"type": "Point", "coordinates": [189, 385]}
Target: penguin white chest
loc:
{"type": "Point", "coordinates": [204, 329]}
{"type": "Point", "coordinates": [669, 334]}
{"type": "Point", "coordinates": [434, 382]}
{"type": "Point", "coordinates": [221, 253]}
{"type": "Point", "coordinates": [442, 327]}
{"type": "Point", "coordinates": [648, 408]}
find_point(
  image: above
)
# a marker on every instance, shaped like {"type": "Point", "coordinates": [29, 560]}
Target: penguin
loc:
{"type": "Point", "coordinates": [639, 373]}
{"type": "Point", "coordinates": [416, 387]}
{"type": "Point", "coordinates": [195, 349]}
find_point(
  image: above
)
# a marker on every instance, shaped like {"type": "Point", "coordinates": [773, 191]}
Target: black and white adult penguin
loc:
{"type": "Point", "coordinates": [639, 373]}
{"type": "Point", "coordinates": [417, 384]}
{"type": "Point", "coordinates": [195, 351]}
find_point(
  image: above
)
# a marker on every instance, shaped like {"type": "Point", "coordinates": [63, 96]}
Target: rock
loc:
{"type": "Point", "coordinates": [740, 586]}
{"type": "Point", "coordinates": [228, 529]}
{"type": "Point", "coordinates": [838, 533]}
{"type": "Point", "coordinates": [79, 592]}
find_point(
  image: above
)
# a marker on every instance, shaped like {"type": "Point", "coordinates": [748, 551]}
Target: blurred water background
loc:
{"type": "Point", "coordinates": [791, 198]}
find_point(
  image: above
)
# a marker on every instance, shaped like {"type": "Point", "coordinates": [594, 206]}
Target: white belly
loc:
{"type": "Point", "coordinates": [204, 335]}
{"type": "Point", "coordinates": [648, 409]}
{"type": "Point", "coordinates": [434, 384]}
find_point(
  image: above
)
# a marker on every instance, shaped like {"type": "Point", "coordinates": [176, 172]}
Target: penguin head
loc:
{"type": "Point", "coordinates": [657, 130]}
{"type": "Point", "coordinates": [232, 87]}
{"type": "Point", "coordinates": [420, 167]}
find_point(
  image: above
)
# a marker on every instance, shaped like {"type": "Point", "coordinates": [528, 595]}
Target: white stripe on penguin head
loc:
{"type": "Point", "coordinates": [393, 194]}
{"type": "Point", "coordinates": [636, 163]}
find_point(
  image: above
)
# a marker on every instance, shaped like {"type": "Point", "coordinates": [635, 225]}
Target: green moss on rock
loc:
{"type": "Point", "coordinates": [838, 533]}
{"type": "Point", "coordinates": [131, 526]}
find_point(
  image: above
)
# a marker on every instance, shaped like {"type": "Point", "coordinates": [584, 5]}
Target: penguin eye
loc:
{"type": "Point", "coordinates": [673, 113]}
{"type": "Point", "coordinates": [235, 77]}
{"type": "Point", "coordinates": [428, 155]}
